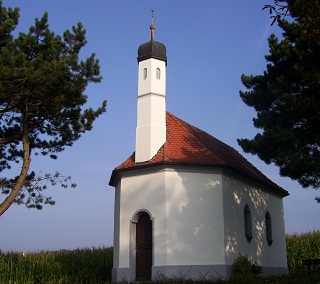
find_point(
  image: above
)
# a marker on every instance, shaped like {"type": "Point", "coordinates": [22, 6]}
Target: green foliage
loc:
{"type": "Point", "coordinates": [42, 84]}
{"type": "Point", "coordinates": [286, 98]}
{"type": "Point", "coordinates": [77, 266]}
{"type": "Point", "coordinates": [302, 246]}
{"type": "Point", "coordinates": [298, 9]}
{"type": "Point", "coordinates": [31, 193]}
{"type": "Point", "coordinates": [277, 11]}
{"type": "Point", "coordinates": [243, 266]}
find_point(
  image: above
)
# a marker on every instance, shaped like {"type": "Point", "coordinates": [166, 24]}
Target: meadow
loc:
{"type": "Point", "coordinates": [86, 265]}
{"type": "Point", "coordinates": [93, 266]}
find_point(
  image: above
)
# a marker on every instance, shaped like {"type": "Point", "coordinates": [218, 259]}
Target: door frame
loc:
{"type": "Point", "coordinates": [133, 231]}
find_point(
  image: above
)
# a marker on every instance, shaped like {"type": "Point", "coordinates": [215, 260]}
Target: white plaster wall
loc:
{"type": "Point", "coordinates": [236, 194]}
{"type": "Point", "coordinates": [141, 192]}
{"type": "Point", "coordinates": [116, 230]}
{"type": "Point", "coordinates": [151, 126]}
{"type": "Point", "coordinates": [194, 218]}
{"type": "Point", "coordinates": [151, 109]}
{"type": "Point", "coordinates": [198, 218]}
{"type": "Point", "coordinates": [187, 212]}
{"type": "Point", "coordinates": [151, 83]}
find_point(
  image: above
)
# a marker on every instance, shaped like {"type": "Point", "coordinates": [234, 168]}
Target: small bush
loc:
{"type": "Point", "coordinates": [243, 266]}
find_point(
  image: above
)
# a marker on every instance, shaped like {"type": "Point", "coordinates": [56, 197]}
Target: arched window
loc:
{"type": "Point", "coordinates": [247, 223]}
{"type": "Point", "coordinates": [145, 73]}
{"type": "Point", "coordinates": [158, 73]}
{"type": "Point", "coordinates": [269, 229]}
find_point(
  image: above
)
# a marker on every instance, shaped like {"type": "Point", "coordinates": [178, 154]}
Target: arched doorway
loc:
{"type": "Point", "coordinates": [143, 247]}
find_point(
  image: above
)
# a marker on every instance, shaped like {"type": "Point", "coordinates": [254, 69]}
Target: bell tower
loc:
{"type": "Point", "coordinates": [151, 109]}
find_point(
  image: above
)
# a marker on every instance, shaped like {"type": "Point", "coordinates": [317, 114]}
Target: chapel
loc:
{"type": "Point", "coordinates": [186, 204]}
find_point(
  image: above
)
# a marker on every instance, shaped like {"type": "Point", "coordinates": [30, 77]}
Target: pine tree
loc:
{"type": "Point", "coordinates": [42, 83]}
{"type": "Point", "coordinates": [286, 97]}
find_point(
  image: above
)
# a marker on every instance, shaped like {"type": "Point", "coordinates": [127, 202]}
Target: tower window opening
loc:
{"type": "Point", "coordinates": [158, 73]}
{"type": "Point", "coordinates": [145, 73]}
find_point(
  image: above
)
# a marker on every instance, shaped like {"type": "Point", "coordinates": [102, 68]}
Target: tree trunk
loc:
{"type": "Point", "coordinates": [24, 169]}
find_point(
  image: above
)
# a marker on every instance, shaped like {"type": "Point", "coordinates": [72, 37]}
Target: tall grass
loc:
{"type": "Point", "coordinates": [61, 267]}
{"type": "Point", "coordinates": [302, 246]}
{"type": "Point", "coordinates": [93, 266]}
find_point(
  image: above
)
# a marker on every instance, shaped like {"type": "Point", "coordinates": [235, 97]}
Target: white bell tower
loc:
{"type": "Point", "coordinates": [151, 110]}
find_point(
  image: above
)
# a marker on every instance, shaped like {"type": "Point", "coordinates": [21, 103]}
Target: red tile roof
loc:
{"type": "Point", "coordinates": [187, 145]}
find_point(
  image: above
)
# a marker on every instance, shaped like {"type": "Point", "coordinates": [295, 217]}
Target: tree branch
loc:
{"type": "Point", "coordinates": [24, 169]}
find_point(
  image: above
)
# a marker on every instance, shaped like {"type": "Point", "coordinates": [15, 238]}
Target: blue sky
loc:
{"type": "Point", "coordinates": [210, 43]}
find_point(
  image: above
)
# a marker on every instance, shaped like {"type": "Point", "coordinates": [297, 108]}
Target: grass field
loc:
{"type": "Point", "coordinates": [75, 266]}
{"type": "Point", "coordinates": [93, 266]}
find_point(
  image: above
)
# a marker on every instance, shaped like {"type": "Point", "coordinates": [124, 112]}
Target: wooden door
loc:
{"type": "Point", "coordinates": [143, 248]}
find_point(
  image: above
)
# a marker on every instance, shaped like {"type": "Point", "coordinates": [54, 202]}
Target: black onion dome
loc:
{"type": "Point", "coordinates": [152, 49]}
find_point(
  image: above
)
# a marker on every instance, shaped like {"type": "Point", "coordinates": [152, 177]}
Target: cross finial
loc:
{"type": "Point", "coordinates": [152, 11]}
{"type": "Point", "coordinates": [152, 26]}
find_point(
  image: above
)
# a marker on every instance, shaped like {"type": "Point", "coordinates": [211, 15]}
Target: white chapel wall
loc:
{"type": "Point", "coordinates": [237, 195]}
{"type": "Point", "coordinates": [194, 217]}
{"type": "Point", "coordinates": [140, 192]}
{"type": "Point", "coordinates": [116, 232]}
{"type": "Point", "coordinates": [187, 212]}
